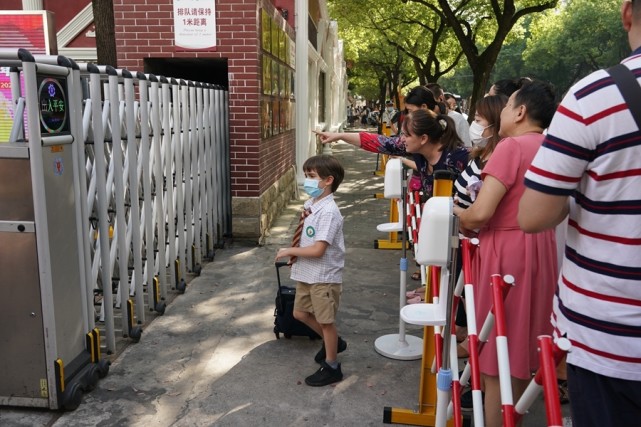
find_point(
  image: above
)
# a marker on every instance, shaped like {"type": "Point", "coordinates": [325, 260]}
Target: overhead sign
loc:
{"type": "Point", "coordinates": [195, 24]}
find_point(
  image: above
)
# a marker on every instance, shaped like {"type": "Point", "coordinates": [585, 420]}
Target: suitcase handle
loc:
{"type": "Point", "coordinates": [279, 264]}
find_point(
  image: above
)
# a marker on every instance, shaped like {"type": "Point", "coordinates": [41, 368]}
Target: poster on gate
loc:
{"type": "Point", "coordinates": [195, 24]}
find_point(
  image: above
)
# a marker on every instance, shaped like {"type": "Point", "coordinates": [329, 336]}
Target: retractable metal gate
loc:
{"type": "Point", "coordinates": [157, 166]}
{"type": "Point", "coordinates": [49, 351]}
{"type": "Point", "coordinates": [91, 257]}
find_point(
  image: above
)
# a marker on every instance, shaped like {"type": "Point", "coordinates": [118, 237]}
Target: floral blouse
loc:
{"type": "Point", "coordinates": [454, 161]}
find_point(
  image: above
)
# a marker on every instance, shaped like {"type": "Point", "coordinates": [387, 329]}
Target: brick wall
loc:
{"type": "Point", "coordinates": [144, 29]}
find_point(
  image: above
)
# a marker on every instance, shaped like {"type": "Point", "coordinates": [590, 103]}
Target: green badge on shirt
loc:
{"type": "Point", "coordinates": [310, 232]}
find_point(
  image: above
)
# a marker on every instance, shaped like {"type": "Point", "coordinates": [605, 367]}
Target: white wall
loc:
{"type": "Point", "coordinates": [309, 64]}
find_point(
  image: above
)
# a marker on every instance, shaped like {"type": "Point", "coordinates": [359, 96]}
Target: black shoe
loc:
{"type": "Point", "coordinates": [324, 376]}
{"type": "Point", "coordinates": [320, 356]}
{"type": "Point", "coordinates": [466, 401]}
{"type": "Point", "coordinates": [564, 394]}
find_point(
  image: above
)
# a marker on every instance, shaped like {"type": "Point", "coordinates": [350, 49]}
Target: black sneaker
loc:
{"type": "Point", "coordinates": [324, 376]}
{"type": "Point", "coordinates": [320, 356]}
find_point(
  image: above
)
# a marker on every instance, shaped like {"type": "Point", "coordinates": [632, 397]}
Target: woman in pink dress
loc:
{"type": "Point", "coordinates": [505, 249]}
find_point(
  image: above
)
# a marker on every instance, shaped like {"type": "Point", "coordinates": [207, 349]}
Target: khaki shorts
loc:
{"type": "Point", "coordinates": [320, 299]}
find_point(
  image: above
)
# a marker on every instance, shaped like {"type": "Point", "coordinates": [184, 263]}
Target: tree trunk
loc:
{"type": "Point", "coordinates": [103, 18]}
{"type": "Point", "coordinates": [480, 79]}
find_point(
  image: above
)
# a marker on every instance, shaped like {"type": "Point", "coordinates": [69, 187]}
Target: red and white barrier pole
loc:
{"type": "Point", "coordinates": [549, 386]}
{"type": "Point", "coordinates": [456, 385]}
{"type": "Point", "coordinates": [468, 248]}
{"type": "Point", "coordinates": [438, 339]}
{"type": "Point", "coordinates": [505, 378]}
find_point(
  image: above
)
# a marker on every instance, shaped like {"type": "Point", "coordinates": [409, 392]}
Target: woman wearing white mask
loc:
{"type": "Point", "coordinates": [484, 134]}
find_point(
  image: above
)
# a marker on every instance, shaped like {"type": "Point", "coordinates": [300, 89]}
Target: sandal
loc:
{"type": "Point", "coordinates": [416, 275]}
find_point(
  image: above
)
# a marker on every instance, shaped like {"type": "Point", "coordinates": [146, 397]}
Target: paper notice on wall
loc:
{"type": "Point", "coordinates": [195, 24]}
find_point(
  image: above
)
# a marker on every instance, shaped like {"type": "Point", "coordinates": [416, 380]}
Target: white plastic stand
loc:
{"type": "Point", "coordinates": [398, 346]}
{"type": "Point", "coordinates": [435, 235]}
{"type": "Point", "coordinates": [437, 249]}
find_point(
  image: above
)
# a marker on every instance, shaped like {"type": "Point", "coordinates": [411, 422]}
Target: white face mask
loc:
{"type": "Point", "coordinates": [476, 135]}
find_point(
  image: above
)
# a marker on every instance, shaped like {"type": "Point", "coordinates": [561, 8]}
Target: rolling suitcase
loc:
{"type": "Point", "coordinates": [284, 322]}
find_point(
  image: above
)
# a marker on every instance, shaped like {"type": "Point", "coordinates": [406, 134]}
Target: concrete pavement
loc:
{"type": "Point", "coordinates": [213, 360]}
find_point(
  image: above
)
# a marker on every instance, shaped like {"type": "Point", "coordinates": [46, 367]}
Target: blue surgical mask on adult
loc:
{"type": "Point", "coordinates": [311, 187]}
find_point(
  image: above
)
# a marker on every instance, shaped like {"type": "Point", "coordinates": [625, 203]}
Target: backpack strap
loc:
{"type": "Point", "coordinates": [629, 87]}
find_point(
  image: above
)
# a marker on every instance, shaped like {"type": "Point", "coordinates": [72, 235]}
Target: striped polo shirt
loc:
{"type": "Point", "coordinates": [592, 153]}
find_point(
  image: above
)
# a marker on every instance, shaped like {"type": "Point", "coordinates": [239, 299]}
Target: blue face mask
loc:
{"type": "Point", "coordinates": [311, 187]}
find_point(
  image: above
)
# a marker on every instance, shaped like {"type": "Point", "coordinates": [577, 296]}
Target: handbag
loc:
{"type": "Point", "coordinates": [629, 87]}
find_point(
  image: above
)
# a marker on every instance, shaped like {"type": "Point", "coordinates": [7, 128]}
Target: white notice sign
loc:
{"type": "Point", "coordinates": [195, 24]}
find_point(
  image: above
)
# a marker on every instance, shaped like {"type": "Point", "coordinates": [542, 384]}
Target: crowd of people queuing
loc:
{"type": "Point", "coordinates": [525, 165]}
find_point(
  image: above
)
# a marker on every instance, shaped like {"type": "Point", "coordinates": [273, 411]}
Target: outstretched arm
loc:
{"type": "Point", "coordinates": [353, 138]}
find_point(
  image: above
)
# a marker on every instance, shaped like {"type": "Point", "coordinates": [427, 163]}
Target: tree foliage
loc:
{"type": "Point", "coordinates": [481, 28]}
{"type": "Point", "coordinates": [579, 37]}
{"type": "Point", "coordinates": [372, 29]}
{"type": "Point", "coordinates": [376, 69]}
{"type": "Point", "coordinates": [557, 41]}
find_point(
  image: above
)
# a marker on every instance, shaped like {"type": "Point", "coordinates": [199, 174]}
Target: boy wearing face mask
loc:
{"type": "Point", "coordinates": [317, 264]}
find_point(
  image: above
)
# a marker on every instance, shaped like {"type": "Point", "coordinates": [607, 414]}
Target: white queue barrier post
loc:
{"type": "Point", "coordinates": [398, 346]}
{"type": "Point", "coordinates": [439, 249]}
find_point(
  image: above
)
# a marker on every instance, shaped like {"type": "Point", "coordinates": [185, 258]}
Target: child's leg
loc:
{"type": "Point", "coordinates": [330, 339]}
{"type": "Point", "coordinates": [310, 320]}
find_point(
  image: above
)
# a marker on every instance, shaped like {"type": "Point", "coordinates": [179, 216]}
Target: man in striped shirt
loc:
{"type": "Point", "coordinates": [590, 167]}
